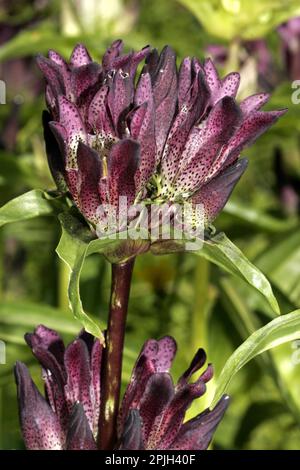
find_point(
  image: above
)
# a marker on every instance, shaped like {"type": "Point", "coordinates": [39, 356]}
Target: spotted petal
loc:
{"type": "Point", "coordinates": [89, 174]}
{"type": "Point", "coordinates": [78, 387]}
{"type": "Point", "coordinates": [40, 426]}
{"type": "Point", "coordinates": [80, 436]}
{"type": "Point", "coordinates": [164, 81]}
{"type": "Point", "coordinates": [132, 435]}
{"type": "Point", "coordinates": [122, 164]}
{"type": "Point", "coordinates": [197, 433]}
{"type": "Point", "coordinates": [215, 194]}
{"type": "Point", "coordinates": [80, 56]}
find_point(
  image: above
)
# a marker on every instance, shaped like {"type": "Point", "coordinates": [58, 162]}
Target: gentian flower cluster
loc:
{"type": "Point", "coordinates": [152, 411]}
{"type": "Point", "coordinates": [161, 136]}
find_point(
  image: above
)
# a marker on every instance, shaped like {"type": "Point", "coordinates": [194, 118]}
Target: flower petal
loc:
{"type": "Point", "coordinates": [215, 194]}
{"type": "Point", "coordinates": [52, 74]}
{"type": "Point", "coordinates": [229, 85]}
{"type": "Point", "coordinates": [89, 174]}
{"type": "Point", "coordinates": [49, 340]}
{"type": "Point", "coordinates": [251, 128]}
{"type": "Point", "coordinates": [184, 80]}
{"type": "Point", "coordinates": [197, 433]}
{"type": "Point", "coordinates": [40, 426]}
{"type": "Point", "coordinates": [155, 356]}
{"type": "Point", "coordinates": [141, 373]}
{"type": "Point", "coordinates": [63, 67]}
{"type": "Point", "coordinates": [198, 361]}
{"type": "Point", "coordinates": [212, 77]}
{"type": "Point", "coordinates": [98, 116]}
{"type": "Point", "coordinates": [96, 357]}
{"type": "Point", "coordinates": [142, 128]}
{"type": "Point", "coordinates": [111, 54]}
{"type": "Point", "coordinates": [197, 165]}
{"type": "Point", "coordinates": [122, 164]}
{"type": "Point", "coordinates": [80, 56]}
{"type": "Point", "coordinates": [161, 352]}
{"type": "Point", "coordinates": [164, 81]}
{"type": "Point", "coordinates": [71, 120]}
{"type": "Point", "coordinates": [158, 393]}
{"type": "Point", "coordinates": [120, 97]}
{"type": "Point", "coordinates": [168, 424]}
{"type": "Point", "coordinates": [194, 106]}
{"type": "Point", "coordinates": [254, 103]}
{"type": "Point", "coordinates": [83, 78]}
{"type": "Point", "coordinates": [54, 154]}
{"type": "Point", "coordinates": [78, 387]}
{"type": "Point", "coordinates": [132, 435]}
{"type": "Point", "coordinates": [80, 436]}
{"type": "Point", "coordinates": [47, 359]}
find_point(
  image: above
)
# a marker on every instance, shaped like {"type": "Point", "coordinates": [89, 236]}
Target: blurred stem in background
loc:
{"type": "Point", "coordinates": [113, 353]}
{"type": "Point", "coordinates": [232, 62]}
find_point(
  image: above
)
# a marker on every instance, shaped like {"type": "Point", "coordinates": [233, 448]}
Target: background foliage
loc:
{"type": "Point", "coordinates": [182, 295]}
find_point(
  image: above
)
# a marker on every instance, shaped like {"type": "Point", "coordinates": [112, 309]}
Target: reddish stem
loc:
{"type": "Point", "coordinates": [113, 354]}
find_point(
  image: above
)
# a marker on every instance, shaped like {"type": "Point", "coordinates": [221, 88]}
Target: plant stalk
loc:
{"type": "Point", "coordinates": [113, 354]}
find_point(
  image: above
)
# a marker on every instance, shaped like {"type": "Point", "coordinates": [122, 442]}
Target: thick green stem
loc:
{"type": "Point", "coordinates": [113, 354]}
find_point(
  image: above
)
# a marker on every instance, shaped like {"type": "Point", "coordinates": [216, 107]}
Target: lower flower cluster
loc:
{"type": "Point", "coordinates": [152, 413]}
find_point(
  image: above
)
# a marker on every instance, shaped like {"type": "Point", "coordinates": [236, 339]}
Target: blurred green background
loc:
{"type": "Point", "coordinates": [181, 295]}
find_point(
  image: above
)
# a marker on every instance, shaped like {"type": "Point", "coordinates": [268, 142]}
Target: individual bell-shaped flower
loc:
{"type": "Point", "coordinates": [68, 417]}
{"type": "Point", "coordinates": [152, 414]}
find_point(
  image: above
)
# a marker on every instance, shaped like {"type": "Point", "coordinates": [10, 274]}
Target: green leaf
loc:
{"type": "Point", "coordinates": [72, 249]}
{"type": "Point", "coordinates": [32, 204]}
{"type": "Point", "coordinates": [278, 331]}
{"type": "Point", "coordinates": [221, 251]}
{"type": "Point", "coordinates": [75, 245]}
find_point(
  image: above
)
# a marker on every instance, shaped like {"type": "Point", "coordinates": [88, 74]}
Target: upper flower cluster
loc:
{"type": "Point", "coordinates": [169, 136]}
{"type": "Point", "coordinates": [152, 412]}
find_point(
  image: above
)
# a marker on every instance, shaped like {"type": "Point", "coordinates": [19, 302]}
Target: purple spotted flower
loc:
{"type": "Point", "coordinates": [68, 417]}
{"type": "Point", "coordinates": [153, 408]}
{"type": "Point", "coordinates": [166, 136]}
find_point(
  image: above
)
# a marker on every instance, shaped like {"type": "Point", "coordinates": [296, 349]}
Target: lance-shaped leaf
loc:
{"type": "Point", "coordinates": [279, 331]}
{"type": "Point", "coordinates": [221, 251]}
{"type": "Point", "coordinates": [27, 206]}
{"type": "Point", "coordinates": [72, 250]}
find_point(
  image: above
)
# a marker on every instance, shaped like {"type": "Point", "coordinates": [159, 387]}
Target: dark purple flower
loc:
{"type": "Point", "coordinates": [153, 408]}
{"type": "Point", "coordinates": [68, 417]}
{"type": "Point", "coordinates": [290, 35]}
{"type": "Point", "coordinates": [170, 136]}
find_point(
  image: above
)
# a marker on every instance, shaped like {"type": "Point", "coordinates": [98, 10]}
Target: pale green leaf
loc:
{"type": "Point", "coordinates": [27, 206]}
{"type": "Point", "coordinates": [279, 331]}
{"type": "Point", "coordinates": [72, 249]}
{"type": "Point", "coordinates": [221, 251]}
